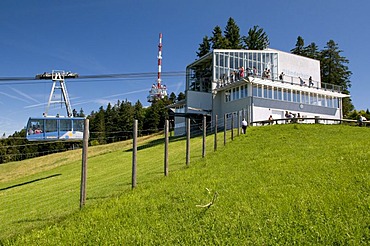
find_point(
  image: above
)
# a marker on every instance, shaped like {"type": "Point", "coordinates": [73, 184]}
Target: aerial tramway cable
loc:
{"type": "Point", "coordinates": [146, 75]}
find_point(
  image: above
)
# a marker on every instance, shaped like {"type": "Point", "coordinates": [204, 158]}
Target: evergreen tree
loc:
{"type": "Point", "coordinates": [204, 47]}
{"type": "Point", "coordinates": [109, 123]}
{"type": "Point", "coordinates": [312, 51]}
{"type": "Point", "coordinates": [299, 47]}
{"type": "Point", "coordinates": [172, 97]}
{"type": "Point", "coordinates": [218, 41]}
{"type": "Point", "coordinates": [181, 96]}
{"type": "Point", "coordinates": [334, 70]}
{"type": "Point", "coordinates": [139, 114]}
{"type": "Point", "coordinates": [97, 126]}
{"type": "Point", "coordinates": [125, 118]}
{"type": "Point", "coordinates": [257, 39]}
{"type": "Point", "coordinates": [152, 117]}
{"type": "Point", "coordinates": [232, 35]}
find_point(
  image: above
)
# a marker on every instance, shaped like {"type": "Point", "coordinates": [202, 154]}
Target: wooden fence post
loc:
{"type": "Point", "coordinates": [225, 126]}
{"type": "Point", "coordinates": [85, 145]}
{"type": "Point", "coordinates": [204, 136]}
{"type": "Point", "coordinates": [215, 143]}
{"type": "Point", "coordinates": [134, 154]}
{"type": "Point", "coordinates": [187, 141]}
{"type": "Point", "coordinates": [232, 126]}
{"type": "Point", "coordinates": [166, 148]}
{"type": "Point", "coordinates": [238, 122]}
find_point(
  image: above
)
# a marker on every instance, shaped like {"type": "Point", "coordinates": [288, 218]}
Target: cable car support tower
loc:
{"type": "Point", "coordinates": [58, 76]}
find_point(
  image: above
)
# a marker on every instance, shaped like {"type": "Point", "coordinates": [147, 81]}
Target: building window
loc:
{"type": "Point", "coordinates": [329, 101]}
{"type": "Point", "coordinates": [227, 96]}
{"type": "Point", "coordinates": [320, 100]}
{"type": "Point", "coordinates": [279, 94]}
{"type": "Point", "coordinates": [313, 99]}
{"type": "Point", "coordinates": [269, 92]}
{"type": "Point", "coordinates": [265, 92]}
{"type": "Point", "coordinates": [305, 97]}
{"type": "Point", "coordinates": [335, 101]}
{"type": "Point", "coordinates": [287, 95]}
{"type": "Point", "coordinates": [254, 90]}
{"type": "Point", "coordinates": [296, 96]}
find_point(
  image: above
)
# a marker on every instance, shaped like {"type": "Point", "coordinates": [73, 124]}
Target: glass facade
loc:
{"type": "Point", "coordinates": [281, 94]}
{"type": "Point", "coordinates": [223, 67]}
{"type": "Point", "coordinates": [227, 66]}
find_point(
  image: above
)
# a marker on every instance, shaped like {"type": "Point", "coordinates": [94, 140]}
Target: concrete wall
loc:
{"type": "Point", "coordinates": [199, 100]}
{"type": "Point", "coordinates": [299, 66]}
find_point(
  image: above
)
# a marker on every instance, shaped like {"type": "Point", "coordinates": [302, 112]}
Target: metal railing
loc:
{"type": "Point", "coordinates": [227, 80]}
{"type": "Point", "coordinates": [311, 120]}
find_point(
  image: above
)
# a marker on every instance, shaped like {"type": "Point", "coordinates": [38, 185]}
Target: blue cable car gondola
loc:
{"type": "Point", "coordinates": [55, 128]}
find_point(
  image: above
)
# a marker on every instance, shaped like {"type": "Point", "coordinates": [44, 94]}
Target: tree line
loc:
{"type": "Point", "coordinates": [107, 125]}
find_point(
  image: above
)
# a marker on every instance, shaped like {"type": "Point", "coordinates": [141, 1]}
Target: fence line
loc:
{"type": "Point", "coordinates": [197, 129]}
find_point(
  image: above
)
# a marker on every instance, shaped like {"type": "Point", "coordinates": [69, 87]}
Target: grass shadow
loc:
{"type": "Point", "coordinates": [30, 182]}
{"type": "Point", "coordinates": [156, 142]}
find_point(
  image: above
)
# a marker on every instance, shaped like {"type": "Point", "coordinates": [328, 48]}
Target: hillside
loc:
{"type": "Point", "coordinates": [281, 184]}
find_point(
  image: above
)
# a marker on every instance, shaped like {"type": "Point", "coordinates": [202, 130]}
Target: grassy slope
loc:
{"type": "Point", "coordinates": [285, 184]}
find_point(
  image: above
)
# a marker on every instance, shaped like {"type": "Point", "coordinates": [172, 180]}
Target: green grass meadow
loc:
{"type": "Point", "coordinates": [294, 184]}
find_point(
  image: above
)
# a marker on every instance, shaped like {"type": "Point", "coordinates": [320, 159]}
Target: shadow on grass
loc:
{"type": "Point", "coordinates": [31, 220]}
{"type": "Point", "coordinates": [30, 182]}
{"type": "Point", "coordinates": [157, 142]}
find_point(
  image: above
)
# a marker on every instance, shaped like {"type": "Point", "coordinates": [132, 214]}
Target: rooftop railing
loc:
{"type": "Point", "coordinates": [225, 80]}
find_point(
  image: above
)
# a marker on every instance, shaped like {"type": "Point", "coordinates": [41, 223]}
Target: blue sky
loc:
{"type": "Point", "coordinates": [92, 37]}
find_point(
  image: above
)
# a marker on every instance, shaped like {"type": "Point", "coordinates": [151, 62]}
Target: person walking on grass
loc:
{"type": "Point", "coordinates": [244, 126]}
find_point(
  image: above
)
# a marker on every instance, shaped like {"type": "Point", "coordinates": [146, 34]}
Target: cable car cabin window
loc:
{"type": "Point", "coordinates": [65, 125]}
{"type": "Point", "coordinates": [78, 125]}
{"type": "Point", "coordinates": [51, 125]}
{"type": "Point", "coordinates": [35, 126]}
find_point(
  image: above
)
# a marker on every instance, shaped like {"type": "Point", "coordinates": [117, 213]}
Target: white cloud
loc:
{"type": "Point", "coordinates": [13, 97]}
{"type": "Point", "coordinates": [24, 95]}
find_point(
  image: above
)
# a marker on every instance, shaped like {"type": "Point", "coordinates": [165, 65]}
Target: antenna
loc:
{"type": "Point", "coordinates": [159, 61]}
{"type": "Point", "coordinates": [158, 91]}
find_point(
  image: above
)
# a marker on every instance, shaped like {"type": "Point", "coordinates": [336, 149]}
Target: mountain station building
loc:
{"type": "Point", "coordinates": [256, 85]}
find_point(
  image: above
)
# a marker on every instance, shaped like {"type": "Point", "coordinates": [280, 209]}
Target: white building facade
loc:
{"type": "Point", "coordinates": [256, 84]}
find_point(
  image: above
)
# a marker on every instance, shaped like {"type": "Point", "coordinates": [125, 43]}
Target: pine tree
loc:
{"type": "Point", "coordinates": [232, 35]}
{"type": "Point", "coordinates": [312, 51]}
{"type": "Point", "coordinates": [218, 41]}
{"type": "Point", "coordinates": [299, 47]}
{"type": "Point", "coordinates": [181, 96]}
{"type": "Point", "coordinates": [204, 47]}
{"type": "Point", "coordinates": [152, 117]}
{"type": "Point", "coordinates": [125, 118]}
{"type": "Point", "coordinates": [257, 39]}
{"type": "Point", "coordinates": [334, 70]}
{"type": "Point", "coordinates": [97, 127]}
{"type": "Point", "coordinates": [139, 114]}
{"type": "Point", "coordinates": [172, 97]}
